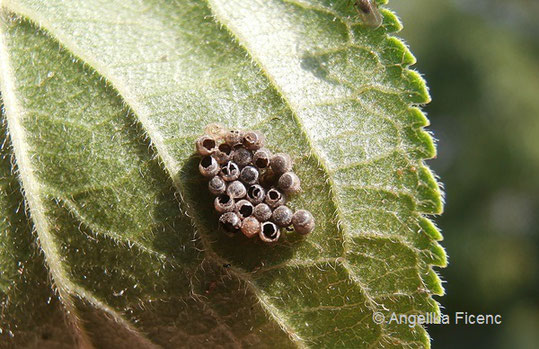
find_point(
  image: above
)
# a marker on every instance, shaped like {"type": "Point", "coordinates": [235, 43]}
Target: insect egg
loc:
{"type": "Point", "coordinates": [206, 145]}
{"type": "Point", "coordinates": [249, 175]}
{"type": "Point", "coordinates": [242, 156]}
{"type": "Point", "coordinates": [244, 209]}
{"type": "Point", "coordinates": [256, 194]}
{"type": "Point", "coordinates": [268, 178]}
{"type": "Point", "coordinates": [262, 212]}
{"type": "Point", "coordinates": [223, 153]}
{"type": "Point", "coordinates": [289, 182]}
{"type": "Point", "coordinates": [281, 163]}
{"type": "Point", "coordinates": [217, 185]}
{"type": "Point", "coordinates": [236, 190]}
{"type": "Point", "coordinates": [230, 222]}
{"type": "Point", "coordinates": [208, 167]}
{"type": "Point", "coordinates": [269, 232]}
{"type": "Point", "coordinates": [233, 137]}
{"type": "Point", "coordinates": [274, 198]}
{"type": "Point", "coordinates": [303, 222]}
{"type": "Point", "coordinates": [250, 227]}
{"type": "Point", "coordinates": [253, 140]}
{"type": "Point", "coordinates": [224, 203]}
{"type": "Point", "coordinates": [262, 158]}
{"type": "Point", "coordinates": [282, 216]}
{"type": "Point", "coordinates": [216, 131]}
{"type": "Point", "coordinates": [230, 171]}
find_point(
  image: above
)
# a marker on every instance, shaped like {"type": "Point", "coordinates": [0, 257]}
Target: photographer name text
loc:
{"type": "Point", "coordinates": [458, 318]}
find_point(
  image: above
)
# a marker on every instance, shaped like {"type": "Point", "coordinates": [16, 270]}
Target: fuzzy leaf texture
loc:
{"type": "Point", "coordinates": [108, 236]}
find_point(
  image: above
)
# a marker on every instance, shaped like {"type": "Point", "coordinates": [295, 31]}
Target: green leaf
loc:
{"type": "Point", "coordinates": [103, 100]}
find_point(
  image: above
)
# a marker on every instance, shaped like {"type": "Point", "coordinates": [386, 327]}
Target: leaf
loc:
{"type": "Point", "coordinates": [102, 108]}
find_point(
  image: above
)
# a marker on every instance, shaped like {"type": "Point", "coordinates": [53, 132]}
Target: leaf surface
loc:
{"type": "Point", "coordinates": [102, 108]}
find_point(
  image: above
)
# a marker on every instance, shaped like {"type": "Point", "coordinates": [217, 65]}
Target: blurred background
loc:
{"type": "Point", "coordinates": [481, 61]}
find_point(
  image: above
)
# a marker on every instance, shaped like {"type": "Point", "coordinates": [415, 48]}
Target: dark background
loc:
{"type": "Point", "coordinates": [481, 61]}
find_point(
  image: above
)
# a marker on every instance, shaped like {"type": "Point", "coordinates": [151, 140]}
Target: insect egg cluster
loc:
{"type": "Point", "coordinates": [250, 184]}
